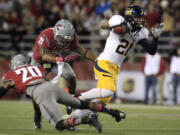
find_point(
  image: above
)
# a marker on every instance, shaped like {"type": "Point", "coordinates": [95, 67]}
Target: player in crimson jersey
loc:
{"type": "Point", "coordinates": [51, 51]}
{"type": "Point", "coordinates": [32, 81]}
{"type": "Point", "coordinates": [53, 46]}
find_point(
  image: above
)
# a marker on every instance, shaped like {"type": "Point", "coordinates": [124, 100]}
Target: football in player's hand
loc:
{"type": "Point", "coordinates": [118, 29]}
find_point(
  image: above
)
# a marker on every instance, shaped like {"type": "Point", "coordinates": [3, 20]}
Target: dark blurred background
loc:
{"type": "Point", "coordinates": [22, 20]}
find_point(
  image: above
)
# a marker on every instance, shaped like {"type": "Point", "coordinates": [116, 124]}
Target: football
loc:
{"type": "Point", "coordinates": [118, 29]}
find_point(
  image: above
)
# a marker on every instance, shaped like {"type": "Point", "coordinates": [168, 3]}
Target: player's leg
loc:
{"type": "Point", "coordinates": [72, 122]}
{"type": "Point", "coordinates": [96, 93]}
{"type": "Point", "coordinates": [105, 86]}
{"type": "Point", "coordinates": [67, 99]}
{"type": "Point", "coordinates": [65, 79]}
{"type": "Point", "coordinates": [37, 115]}
{"type": "Point", "coordinates": [69, 78]}
{"type": "Point", "coordinates": [45, 96]}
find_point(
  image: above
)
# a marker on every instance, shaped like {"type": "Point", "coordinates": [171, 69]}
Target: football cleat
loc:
{"type": "Point", "coordinates": [71, 128]}
{"type": "Point", "coordinates": [68, 110]}
{"type": "Point", "coordinates": [95, 122]}
{"type": "Point", "coordinates": [118, 115]}
{"type": "Point", "coordinates": [37, 125]}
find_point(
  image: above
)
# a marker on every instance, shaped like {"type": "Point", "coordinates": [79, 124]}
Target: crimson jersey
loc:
{"type": "Point", "coordinates": [46, 40]}
{"type": "Point", "coordinates": [24, 75]}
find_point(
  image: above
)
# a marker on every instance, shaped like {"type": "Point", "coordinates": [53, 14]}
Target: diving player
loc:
{"type": "Point", "coordinates": [32, 80]}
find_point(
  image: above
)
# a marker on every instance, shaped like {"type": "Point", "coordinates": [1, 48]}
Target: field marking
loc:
{"type": "Point", "coordinates": [138, 129]}
{"type": "Point", "coordinates": [131, 106]}
{"type": "Point", "coordinates": [141, 106]}
{"type": "Point", "coordinates": [129, 114]}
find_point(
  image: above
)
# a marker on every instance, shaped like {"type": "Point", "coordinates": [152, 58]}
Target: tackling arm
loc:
{"type": "Point", "coordinates": [86, 53]}
{"type": "Point", "coordinates": [47, 55]}
{"type": "Point", "coordinates": [6, 86]}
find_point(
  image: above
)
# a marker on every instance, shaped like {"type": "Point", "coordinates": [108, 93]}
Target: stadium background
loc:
{"type": "Point", "coordinates": [22, 20]}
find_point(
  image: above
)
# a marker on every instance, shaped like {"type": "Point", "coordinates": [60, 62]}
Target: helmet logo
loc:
{"type": "Point", "coordinates": [58, 26]}
{"type": "Point", "coordinates": [128, 11]}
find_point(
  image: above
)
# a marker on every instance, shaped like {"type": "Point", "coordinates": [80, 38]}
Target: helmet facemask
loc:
{"type": "Point", "coordinates": [63, 42]}
{"type": "Point", "coordinates": [134, 15]}
{"type": "Point", "coordinates": [64, 33]}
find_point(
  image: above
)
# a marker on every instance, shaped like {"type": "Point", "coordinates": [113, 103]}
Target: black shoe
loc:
{"type": "Point", "coordinates": [68, 110]}
{"type": "Point", "coordinates": [118, 115]}
{"type": "Point", "coordinates": [37, 125]}
{"type": "Point", "coordinates": [95, 122]}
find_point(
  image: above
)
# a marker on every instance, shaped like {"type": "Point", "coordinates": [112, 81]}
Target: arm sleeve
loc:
{"type": "Point", "coordinates": [149, 46]}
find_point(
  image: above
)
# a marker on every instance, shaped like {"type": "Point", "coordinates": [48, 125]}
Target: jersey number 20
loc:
{"type": "Point", "coordinates": [29, 72]}
{"type": "Point", "coordinates": [125, 46]}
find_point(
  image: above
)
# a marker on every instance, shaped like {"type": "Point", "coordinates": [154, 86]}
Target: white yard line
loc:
{"type": "Point", "coordinates": [140, 106]}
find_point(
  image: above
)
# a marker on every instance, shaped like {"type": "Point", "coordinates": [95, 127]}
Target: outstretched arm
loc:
{"type": "Point", "coordinates": [6, 86]}
{"type": "Point", "coordinates": [149, 46]}
{"type": "Point", "coordinates": [86, 53]}
{"type": "Point", "coordinates": [47, 55]}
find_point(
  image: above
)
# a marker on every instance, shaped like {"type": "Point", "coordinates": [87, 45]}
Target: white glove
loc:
{"type": "Point", "coordinates": [116, 20]}
{"type": "Point", "coordinates": [158, 29]}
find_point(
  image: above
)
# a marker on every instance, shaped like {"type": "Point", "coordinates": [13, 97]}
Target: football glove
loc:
{"type": "Point", "coordinates": [157, 30]}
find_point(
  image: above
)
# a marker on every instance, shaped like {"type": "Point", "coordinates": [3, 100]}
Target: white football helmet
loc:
{"type": "Point", "coordinates": [64, 33]}
{"type": "Point", "coordinates": [18, 61]}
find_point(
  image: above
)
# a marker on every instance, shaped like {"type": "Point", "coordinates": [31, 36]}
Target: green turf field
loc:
{"type": "Point", "coordinates": [16, 118]}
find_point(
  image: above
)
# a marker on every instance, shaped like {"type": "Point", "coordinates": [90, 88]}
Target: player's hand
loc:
{"type": "Point", "coordinates": [158, 29]}
{"type": "Point", "coordinates": [70, 57]}
{"type": "Point", "coordinates": [127, 26]}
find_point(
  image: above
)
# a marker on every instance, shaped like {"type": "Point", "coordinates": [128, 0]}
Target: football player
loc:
{"type": "Point", "coordinates": [33, 81]}
{"type": "Point", "coordinates": [51, 51]}
{"type": "Point", "coordinates": [125, 32]}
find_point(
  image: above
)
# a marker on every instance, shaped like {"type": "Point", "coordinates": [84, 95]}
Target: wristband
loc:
{"type": "Point", "coordinates": [59, 59]}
